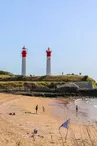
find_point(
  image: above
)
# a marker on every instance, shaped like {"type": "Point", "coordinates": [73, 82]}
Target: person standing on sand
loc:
{"type": "Point", "coordinates": [76, 108]}
{"type": "Point", "coordinates": [36, 108]}
{"type": "Point", "coordinates": [43, 108]}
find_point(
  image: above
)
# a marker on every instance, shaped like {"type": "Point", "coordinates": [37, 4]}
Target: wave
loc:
{"type": "Point", "coordinates": [77, 101]}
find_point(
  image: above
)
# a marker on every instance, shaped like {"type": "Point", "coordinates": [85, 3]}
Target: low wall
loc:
{"type": "Point", "coordinates": [52, 93]}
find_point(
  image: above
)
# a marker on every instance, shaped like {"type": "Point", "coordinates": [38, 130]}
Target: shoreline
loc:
{"type": "Point", "coordinates": [67, 106]}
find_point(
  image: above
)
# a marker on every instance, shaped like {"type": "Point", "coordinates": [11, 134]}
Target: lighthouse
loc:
{"type": "Point", "coordinates": [48, 65]}
{"type": "Point", "coordinates": [24, 53]}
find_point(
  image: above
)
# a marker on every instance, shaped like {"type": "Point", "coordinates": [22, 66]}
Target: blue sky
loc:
{"type": "Point", "coordinates": [68, 27]}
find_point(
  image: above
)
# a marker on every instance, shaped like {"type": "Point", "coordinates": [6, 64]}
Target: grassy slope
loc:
{"type": "Point", "coordinates": [9, 81]}
{"type": "Point", "coordinates": [65, 78]}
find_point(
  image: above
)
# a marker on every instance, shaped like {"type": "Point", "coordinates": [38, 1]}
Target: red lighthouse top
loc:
{"type": "Point", "coordinates": [24, 51]}
{"type": "Point", "coordinates": [48, 52]}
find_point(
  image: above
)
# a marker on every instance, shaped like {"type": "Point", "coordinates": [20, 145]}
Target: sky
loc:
{"type": "Point", "coordinates": [68, 27]}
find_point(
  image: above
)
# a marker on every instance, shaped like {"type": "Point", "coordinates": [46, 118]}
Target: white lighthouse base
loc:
{"type": "Point", "coordinates": [48, 67]}
{"type": "Point", "coordinates": [23, 66]}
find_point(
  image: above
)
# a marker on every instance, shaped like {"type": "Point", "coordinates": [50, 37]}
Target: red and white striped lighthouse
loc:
{"type": "Point", "coordinates": [24, 54]}
{"type": "Point", "coordinates": [48, 65]}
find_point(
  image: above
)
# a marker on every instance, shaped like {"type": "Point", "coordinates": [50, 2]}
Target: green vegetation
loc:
{"type": "Point", "coordinates": [8, 80]}
{"type": "Point", "coordinates": [21, 84]}
{"type": "Point", "coordinates": [65, 78]}
{"type": "Point", "coordinates": [5, 73]}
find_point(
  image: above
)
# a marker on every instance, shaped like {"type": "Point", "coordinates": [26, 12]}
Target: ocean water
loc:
{"type": "Point", "coordinates": [87, 106]}
{"type": "Point", "coordinates": [87, 110]}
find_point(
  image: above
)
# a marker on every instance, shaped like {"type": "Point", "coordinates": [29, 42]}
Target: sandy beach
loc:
{"type": "Point", "coordinates": [17, 130]}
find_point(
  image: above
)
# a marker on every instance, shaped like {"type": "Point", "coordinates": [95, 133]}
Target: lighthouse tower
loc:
{"type": "Point", "coordinates": [48, 66]}
{"type": "Point", "coordinates": [24, 53]}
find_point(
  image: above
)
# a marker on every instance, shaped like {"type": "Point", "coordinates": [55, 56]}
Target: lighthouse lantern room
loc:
{"type": "Point", "coordinates": [48, 65]}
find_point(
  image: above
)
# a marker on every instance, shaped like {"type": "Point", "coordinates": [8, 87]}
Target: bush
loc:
{"type": "Point", "coordinates": [72, 73]}
{"type": "Point", "coordinates": [5, 73]}
{"type": "Point", "coordinates": [85, 78]}
{"type": "Point", "coordinates": [52, 85]}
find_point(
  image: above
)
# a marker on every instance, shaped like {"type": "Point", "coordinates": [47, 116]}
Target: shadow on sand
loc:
{"type": "Point", "coordinates": [30, 113]}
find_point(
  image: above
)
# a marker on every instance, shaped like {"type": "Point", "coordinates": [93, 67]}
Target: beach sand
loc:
{"type": "Point", "coordinates": [17, 130]}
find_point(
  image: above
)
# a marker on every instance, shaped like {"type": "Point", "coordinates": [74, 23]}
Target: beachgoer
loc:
{"type": "Point", "coordinates": [43, 109]}
{"type": "Point", "coordinates": [76, 108]}
{"type": "Point", "coordinates": [36, 108]}
{"type": "Point", "coordinates": [35, 131]}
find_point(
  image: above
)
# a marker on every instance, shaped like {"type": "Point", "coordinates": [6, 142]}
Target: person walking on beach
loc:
{"type": "Point", "coordinates": [36, 108]}
{"type": "Point", "coordinates": [43, 108]}
{"type": "Point", "coordinates": [76, 108]}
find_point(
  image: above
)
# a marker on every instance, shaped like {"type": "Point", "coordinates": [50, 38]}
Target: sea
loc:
{"type": "Point", "coordinates": [87, 108]}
